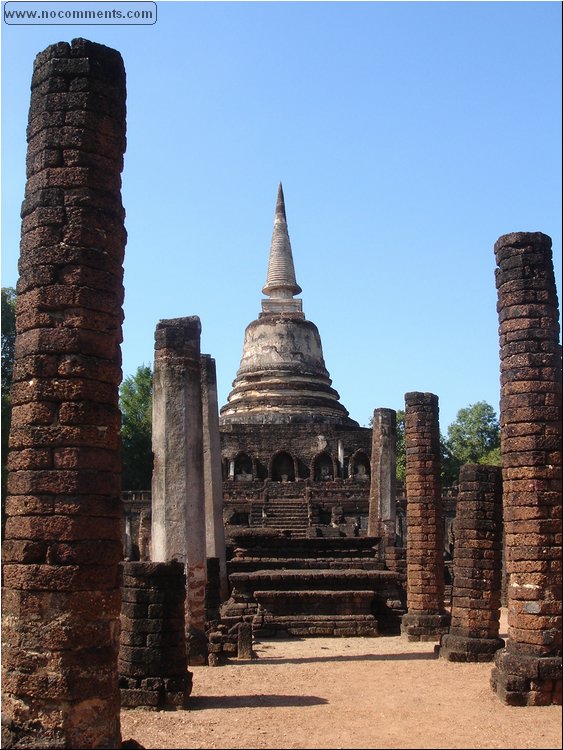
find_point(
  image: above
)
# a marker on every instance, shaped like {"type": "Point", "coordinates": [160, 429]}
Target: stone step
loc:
{"type": "Point", "coordinates": [267, 626]}
{"type": "Point", "coordinates": [316, 601]}
{"type": "Point", "coordinates": [285, 503]}
{"type": "Point", "coordinates": [339, 579]}
{"type": "Point", "coordinates": [247, 564]}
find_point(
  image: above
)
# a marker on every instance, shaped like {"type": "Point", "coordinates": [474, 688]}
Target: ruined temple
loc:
{"type": "Point", "coordinates": [292, 457]}
{"type": "Point", "coordinates": [84, 635]}
{"type": "Point", "coordinates": [292, 461]}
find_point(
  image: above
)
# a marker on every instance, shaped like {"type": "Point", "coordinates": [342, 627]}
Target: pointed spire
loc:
{"type": "Point", "coordinates": [280, 205]}
{"type": "Point", "coordinates": [281, 282]}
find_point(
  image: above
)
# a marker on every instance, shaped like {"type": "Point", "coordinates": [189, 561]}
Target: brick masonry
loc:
{"type": "Point", "coordinates": [477, 567]}
{"type": "Point", "coordinates": [426, 619]}
{"type": "Point", "coordinates": [63, 540]}
{"type": "Point", "coordinates": [528, 670]}
{"type": "Point", "coordinates": [153, 671]}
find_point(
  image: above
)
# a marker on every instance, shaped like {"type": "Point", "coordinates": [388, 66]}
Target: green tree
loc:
{"type": "Point", "coordinates": [474, 437]}
{"type": "Point", "coordinates": [136, 430]}
{"type": "Point", "coordinates": [450, 464]}
{"type": "Point", "coordinates": [401, 470]}
{"type": "Point", "coordinates": [8, 336]}
{"type": "Point", "coordinates": [8, 345]}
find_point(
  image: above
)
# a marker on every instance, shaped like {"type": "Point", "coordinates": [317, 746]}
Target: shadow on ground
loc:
{"type": "Point", "coordinates": [265, 659]}
{"type": "Point", "coordinates": [198, 702]}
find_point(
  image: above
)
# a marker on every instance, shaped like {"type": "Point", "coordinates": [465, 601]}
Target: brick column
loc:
{"type": "Point", "coordinates": [383, 489]}
{"type": "Point", "coordinates": [64, 517]}
{"type": "Point", "coordinates": [213, 475]}
{"type": "Point", "coordinates": [477, 567]}
{"type": "Point", "coordinates": [178, 508]}
{"type": "Point", "coordinates": [528, 670]}
{"type": "Point", "coordinates": [426, 619]}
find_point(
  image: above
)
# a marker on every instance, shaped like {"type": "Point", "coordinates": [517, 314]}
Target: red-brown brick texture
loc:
{"type": "Point", "coordinates": [426, 618]}
{"type": "Point", "coordinates": [528, 670]}
{"type": "Point", "coordinates": [477, 567]}
{"type": "Point", "coordinates": [63, 541]}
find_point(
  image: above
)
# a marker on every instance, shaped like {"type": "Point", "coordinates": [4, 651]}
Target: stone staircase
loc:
{"type": "Point", "coordinates": [288, 515]}
{"type": "Point", "coordinates": [285, 585]}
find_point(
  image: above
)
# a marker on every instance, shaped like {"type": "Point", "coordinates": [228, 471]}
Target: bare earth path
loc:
{"type": "Point", "coordinates": [344, 693]}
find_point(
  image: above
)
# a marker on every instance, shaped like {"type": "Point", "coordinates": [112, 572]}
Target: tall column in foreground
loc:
{"type": "Point", "coordinates": [426, 619]}
{"type": "Point", "coordinates": [178, 508]}
{"type": "Point", "coordinates": [383, 489]}
{"type": "Point", "coordinates": [213, 479]}
{"type": "Point", "coordinates": [63, 541]}
{"type": "Point", "coordinates": [528, 670]}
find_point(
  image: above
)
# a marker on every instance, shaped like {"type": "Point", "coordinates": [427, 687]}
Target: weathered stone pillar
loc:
{"type": "Point", "coordinates": [477, 567]}
{"type": "Point", "coordinates": [178, 507]}
{"type": "Point", "coordinates": [64, 516]}
{"type": "Point", "coordinates": [213, 479]}
{"type": "Point", "coordinates": [426, 619]}
{"type": "Point", "coordinates": [528, 670]}
{"type": "Point", "coordinates": [383, 489]}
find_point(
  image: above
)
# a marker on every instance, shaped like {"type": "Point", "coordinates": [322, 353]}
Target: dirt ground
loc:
{"type": "Point", "coordinates": [344, 693]}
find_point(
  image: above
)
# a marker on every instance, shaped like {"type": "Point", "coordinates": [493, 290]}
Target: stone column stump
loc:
{"type": "Point", "coordinates": [153, 671]}
{"type": "Point", "coordinates": [477, 567]}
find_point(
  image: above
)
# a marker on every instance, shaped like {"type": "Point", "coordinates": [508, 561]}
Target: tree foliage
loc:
{"type": "Point", "coordinates": [8, 347]}
{"type": "Point", "coordinates": [136, 429]}
{"type": "Point", "coordinates": [475, 435]}
{"type": "Point", "coordinates": [8, 336]}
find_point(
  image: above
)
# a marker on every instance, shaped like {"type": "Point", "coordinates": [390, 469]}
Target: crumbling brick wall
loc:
{"type": "Point", "coordinates": [63, 540]}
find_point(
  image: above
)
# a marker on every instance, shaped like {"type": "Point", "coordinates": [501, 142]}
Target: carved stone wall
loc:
{"type": "Point", "coordinates": [63, 541]}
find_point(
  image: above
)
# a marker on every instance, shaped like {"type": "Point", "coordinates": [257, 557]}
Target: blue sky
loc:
{"type": "Point", "coordinates": [408, 136]}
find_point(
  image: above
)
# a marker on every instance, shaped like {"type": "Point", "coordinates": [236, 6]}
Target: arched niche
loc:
{"type": "Point", "coordinates": [243, 467]}
{"type": "Point", "coordinates": [323, 469]}
{"type": "Point", "coordinates": [282, 467]}
{"type": "Point", "coordinates": [359, 466]}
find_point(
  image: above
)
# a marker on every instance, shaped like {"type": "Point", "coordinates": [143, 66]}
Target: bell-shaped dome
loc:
{"type": "Point", "coordinates": [282, 376]}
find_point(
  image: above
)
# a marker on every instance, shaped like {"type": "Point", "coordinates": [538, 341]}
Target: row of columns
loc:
{"type": "Point", "coordinates": [527, 670]}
